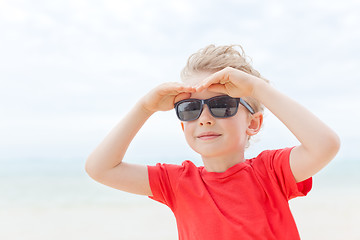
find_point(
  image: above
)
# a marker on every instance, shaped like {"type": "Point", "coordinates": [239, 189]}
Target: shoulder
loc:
{"type": "Point", "coordinates": [173, 169]}
{"type": "Point", "coordinates": [275, 153]}
{"type": "Point", "coordinates": [274, 165]}
{"type": "Point", "coordinates": [187, 164]}
{"type": "Point", "coordinates": [271, 156]}
{"type": "Point", "coordinates": [165, 179]}
{"type": "Point", "coordinates": [270, 163]}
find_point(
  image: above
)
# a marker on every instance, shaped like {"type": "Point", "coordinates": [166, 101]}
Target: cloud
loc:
{"type": "Point", "coordinates": [70, 69]}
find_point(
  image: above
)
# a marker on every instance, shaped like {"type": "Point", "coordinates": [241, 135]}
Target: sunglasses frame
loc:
{"type": "Point", "coordinates": [206, 101]}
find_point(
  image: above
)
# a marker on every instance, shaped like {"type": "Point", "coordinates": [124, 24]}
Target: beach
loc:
{"type": "Point", "coordinates": [315, 217]}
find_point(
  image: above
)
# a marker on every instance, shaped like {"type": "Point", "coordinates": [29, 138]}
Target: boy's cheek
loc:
{"type": "Point", "coordinates": [187, 126]}
{"type": "Point", "coordinates": [189, 129]}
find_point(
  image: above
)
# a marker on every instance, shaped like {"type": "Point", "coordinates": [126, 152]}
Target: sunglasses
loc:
{"type": "Point", "coordinates": [219, 106]}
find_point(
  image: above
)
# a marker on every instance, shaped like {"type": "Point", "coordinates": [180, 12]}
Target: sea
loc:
{"type": "Point", "coordinates": [55, 199]}
{"type": "Point", "coordinates": [43, 182]}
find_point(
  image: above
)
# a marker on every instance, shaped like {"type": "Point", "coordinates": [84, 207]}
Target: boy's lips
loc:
{"type": "Point", "coordinates": [208, 135]}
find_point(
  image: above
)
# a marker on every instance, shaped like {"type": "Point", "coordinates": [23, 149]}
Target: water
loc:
{"type": "Point", "coordinates": [63, 183]}
{"type": "Point", "coordinates": [41, 183]}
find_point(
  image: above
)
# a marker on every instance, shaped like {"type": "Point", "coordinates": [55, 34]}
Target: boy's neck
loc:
{"type": "Point", "coordinates": [221, 164]}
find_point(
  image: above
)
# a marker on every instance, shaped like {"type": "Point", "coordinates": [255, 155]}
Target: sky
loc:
{"type": "Point", "coordinates": [70, 70]}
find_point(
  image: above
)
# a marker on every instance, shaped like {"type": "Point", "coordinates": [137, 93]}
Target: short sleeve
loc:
{"type": "Point", "coordinates": [277, 165]}
{"type": "Point", "coordinates": [164, 179]}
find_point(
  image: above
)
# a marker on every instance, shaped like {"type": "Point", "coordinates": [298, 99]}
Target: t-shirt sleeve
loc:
{"type": "Point", "coordinates": [163, 179]}
{"type": "Point", "coordinates": [277, 165]}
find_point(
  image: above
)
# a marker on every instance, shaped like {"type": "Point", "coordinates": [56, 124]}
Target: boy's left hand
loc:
{"type": "Point", "coordinates": [230, 81]}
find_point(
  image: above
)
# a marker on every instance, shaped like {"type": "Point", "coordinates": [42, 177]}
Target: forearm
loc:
{"type": "Point", "coordinates": [110, 152]}
{"type": "Point", "coordinates": [315, 136]}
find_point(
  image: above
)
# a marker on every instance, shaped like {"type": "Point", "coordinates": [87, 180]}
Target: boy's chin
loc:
{"type": "Point", "coordinates": [213, 152]}
{"type": "Point", "coordinates": [210, 153]}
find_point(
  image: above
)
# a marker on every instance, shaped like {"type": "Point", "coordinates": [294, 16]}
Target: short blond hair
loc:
{"type": "Point", "coordinates": [215, 58]}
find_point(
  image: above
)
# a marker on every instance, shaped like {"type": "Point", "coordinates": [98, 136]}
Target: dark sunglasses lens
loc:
{"type": "Point", "coordinates": [188, 111]}
{"type": "Point", "coordinates": [223, 107]}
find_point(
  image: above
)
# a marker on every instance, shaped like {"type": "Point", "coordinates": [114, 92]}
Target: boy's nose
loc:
{"type": "Point", "coordinates": [205, 117]}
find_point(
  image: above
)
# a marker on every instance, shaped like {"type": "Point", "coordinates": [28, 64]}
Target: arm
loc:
{"type": "Point", "coordinates": [105, 164]}
{"type": "Point", "coordinates": [319, 144]}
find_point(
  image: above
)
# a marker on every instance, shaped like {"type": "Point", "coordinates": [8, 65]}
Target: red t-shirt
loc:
{"type": "Point", "coordinates": [248, 201]}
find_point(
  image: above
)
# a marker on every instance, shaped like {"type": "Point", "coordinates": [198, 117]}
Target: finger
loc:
{"type": "Point", "coordinates": [182, 96]}
{"type": "Point", "coordinates": [215, 78]}
{"type": "Point", "coordinates": [187, 88]}
{"type": "Point", "coordinates": [218, 88]}
{"type": "Point", "coordinates": [175, 88]}
{"type": "Point", "coordinates": [182, 86]}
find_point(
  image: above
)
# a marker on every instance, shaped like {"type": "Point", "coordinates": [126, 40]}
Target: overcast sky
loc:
{"type": "Point", "coordinates": [69, 70]}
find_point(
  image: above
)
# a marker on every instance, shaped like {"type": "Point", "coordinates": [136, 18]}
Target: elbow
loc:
{"type": "Point", "coordinates": [337, 143]}
{"type": "Point", "coordinates": [91, 169]}
{"type": "Point", "coordinates": [95, 168]}
{"type": "Point", "coordinates": [333, 144]}
{"type": "Point", "coordinates": [88, 169]}
{"type": "Point", "coordinates": [325, 148]}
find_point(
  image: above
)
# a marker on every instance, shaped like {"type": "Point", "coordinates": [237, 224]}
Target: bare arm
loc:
{"type": "Point", "coordinates": [319, 144]}
{"type": "Point", "coordinates": [105, 164]}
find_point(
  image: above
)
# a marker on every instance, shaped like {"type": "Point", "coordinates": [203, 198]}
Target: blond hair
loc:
{"type": "Point", "coordinates": [215, 58]}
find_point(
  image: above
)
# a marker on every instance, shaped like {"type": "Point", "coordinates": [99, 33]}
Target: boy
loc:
{"type": "Point", "coordinates": [220, 107]}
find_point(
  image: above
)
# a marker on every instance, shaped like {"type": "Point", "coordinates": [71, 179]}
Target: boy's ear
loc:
{"type": "Point", "coordinates": [182, 126]}
{"type": "Point", "coordinates": [255, 124]}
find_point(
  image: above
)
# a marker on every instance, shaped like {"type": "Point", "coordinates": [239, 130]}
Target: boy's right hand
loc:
{"type": "Point", "coordinates": [164, 96]}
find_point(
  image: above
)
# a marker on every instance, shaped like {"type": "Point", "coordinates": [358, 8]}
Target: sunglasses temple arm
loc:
{"type": "Point", "coordinates": [245, 104]}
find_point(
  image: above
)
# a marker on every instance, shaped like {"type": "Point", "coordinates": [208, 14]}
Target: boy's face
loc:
{"type": "Point", "coordinates": [216, 137]}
